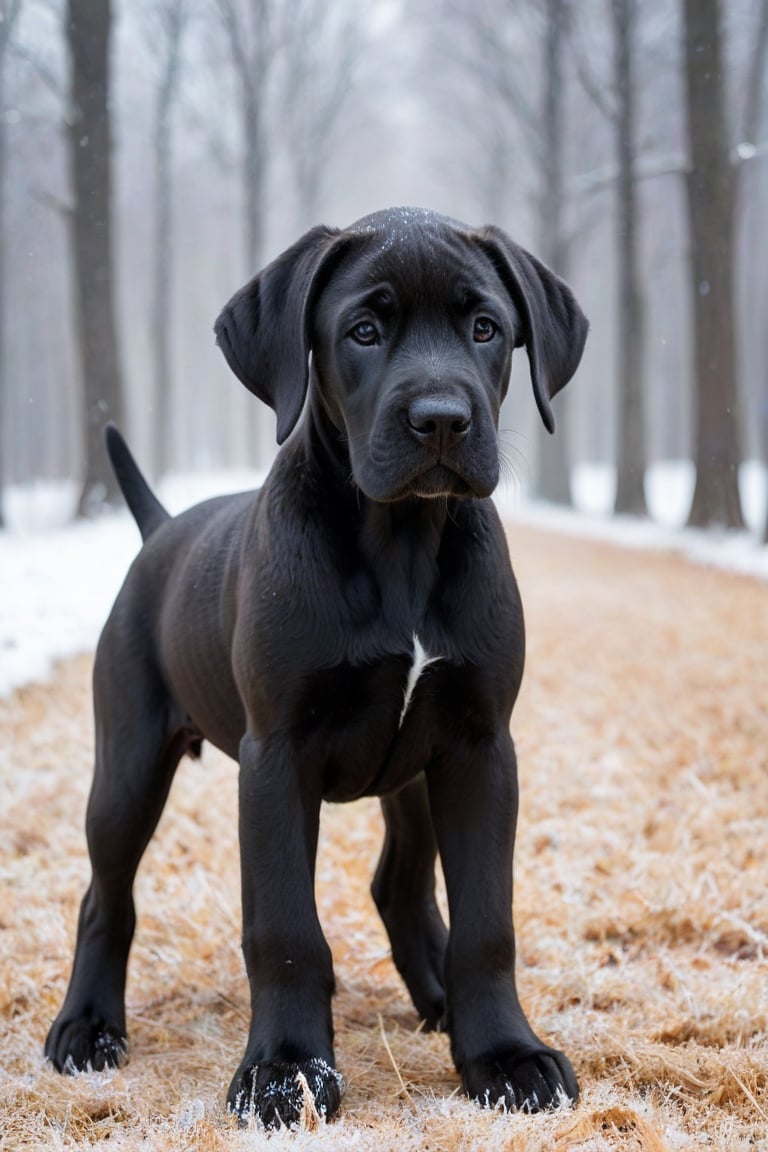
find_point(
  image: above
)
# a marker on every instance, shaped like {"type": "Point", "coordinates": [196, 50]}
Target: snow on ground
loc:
{"type": "Point", "coordinates": [58, 579]}
{"type": "Point", "coordinates": [669, 489]}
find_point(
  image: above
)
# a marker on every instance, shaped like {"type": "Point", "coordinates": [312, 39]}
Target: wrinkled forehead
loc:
{"type": "Point", "coordinates": [417, 253]}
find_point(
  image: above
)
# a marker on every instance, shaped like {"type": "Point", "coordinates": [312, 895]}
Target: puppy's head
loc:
{"type": "Point", "coordinates": [411, 319]}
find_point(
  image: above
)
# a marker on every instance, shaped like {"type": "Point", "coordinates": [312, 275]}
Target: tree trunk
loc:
{"type": "Point", "coordinates": [710, 188]}
{"type": "Point", "coordinates": [630, 448]}
{"type": "Point", "coordinates": [764, 441]}
{"type": "Point", "coordinates": [161, 295]}
{"type": "Point", "coordinates": [88, 32]}
{"type": "Point", "coordinates": [314, 97]}
{"type": "Point", "coordinates": [162, 310]}
{"type": "Point", "coordinates": [250, 42]}
{"type": "Point", "coordinates": [553, 481]}
{"type": "Point", "coordinates": [249, 32]}
{"type": "Point", "coordinates": [4, 390]}
{"type": "Point", "coordinates": [750, 134]}
{"type": "Point", "coordinates": [9, 13]}
{"type": "Point", "coordinates": [254, 177]}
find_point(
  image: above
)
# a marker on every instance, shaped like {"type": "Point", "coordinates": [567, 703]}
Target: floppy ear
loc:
{"type": "Point", "coordinates": [264, 329]}
{"type": "Point", "coordinates": [555, 326]}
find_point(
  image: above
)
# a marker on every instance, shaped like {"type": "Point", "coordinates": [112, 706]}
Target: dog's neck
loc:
{"type": "Point", "coordinates": [400, 540]}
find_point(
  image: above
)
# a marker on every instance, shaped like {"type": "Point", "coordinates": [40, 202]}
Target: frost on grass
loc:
{"type": "Point", "coordinates": [640, 900]}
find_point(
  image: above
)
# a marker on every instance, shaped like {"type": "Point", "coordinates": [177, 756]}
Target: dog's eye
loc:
{"type": "Point", "coordinates": [365, 333]}
{"type": "Point", "coordinates": [484, 330]}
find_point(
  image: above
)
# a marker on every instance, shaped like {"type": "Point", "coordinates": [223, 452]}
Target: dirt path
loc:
{"type": "Point", "coordinates": [641, 896]}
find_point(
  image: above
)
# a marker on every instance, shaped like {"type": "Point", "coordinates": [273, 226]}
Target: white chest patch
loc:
{"type": "Point", "coordinates": [421, 660]}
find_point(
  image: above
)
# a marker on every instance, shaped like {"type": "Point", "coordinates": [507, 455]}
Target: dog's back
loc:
{"type": "Point", "coordinates": [175, 612]}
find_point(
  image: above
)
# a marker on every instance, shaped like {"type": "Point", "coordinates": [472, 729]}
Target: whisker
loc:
{"type": "Point", "coordinates": [513, 432]}
{"type": "Point", "coordinates": [514, 452]}
{"type": "Point", "coordinates": [515, 472]}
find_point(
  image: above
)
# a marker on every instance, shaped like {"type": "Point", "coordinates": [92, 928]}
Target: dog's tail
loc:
{"type": "Point", "coordinates": [147, 510]}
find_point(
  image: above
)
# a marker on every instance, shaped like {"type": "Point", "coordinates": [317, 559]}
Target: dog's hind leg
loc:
{"type": "Point", "coordinates": [403, 889]}
{"type": "Point", "coordinates": [139, 742]}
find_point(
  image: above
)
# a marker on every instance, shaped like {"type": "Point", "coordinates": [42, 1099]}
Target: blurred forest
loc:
{"type": "Point", "coordinates": [154, 154]}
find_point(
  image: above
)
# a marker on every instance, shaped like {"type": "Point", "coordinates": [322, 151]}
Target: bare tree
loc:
{"type": "Point", "coordinates": [483, 44]}
{"type": "Point", "coordinates": [252, 37]}
{"type": "Point", "coordinates": [250, 29]}
{"type": "Point", "coordinates": [553, 477]}
{"type": "Point", "coordinates": [9, 11]}
{"type": "Point", "coordinates": [90, 144]}
{"type": "Point", "coordinates": [753, 120]}
{"type": "Point", "coordinates": [171, 19]}
{"type": "Point", "coordinates": [749, 148]}
{"type": "Point", "coordinates": [752, 116]}
{"type": "Point", "coordinates": [322, 46]}
{"type": "Point", "coordinates": [619, 108]}
{"type": "Point", "coordinates": [631, 461]}
{"type": "Point", "coordinates": [710, 188]}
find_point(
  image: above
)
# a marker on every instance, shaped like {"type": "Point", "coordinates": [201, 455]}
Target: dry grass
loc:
{"type": "Point", "coordinates": [641, 900]}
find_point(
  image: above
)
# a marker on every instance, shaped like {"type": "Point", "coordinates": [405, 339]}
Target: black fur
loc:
{"type": "Point", "coordinates": [147, 510]}
{"type": "Point", "coordinates": [281, 626]}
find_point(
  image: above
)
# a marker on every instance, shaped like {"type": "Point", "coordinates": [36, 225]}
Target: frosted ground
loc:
{"type": "Point", "coordinates": [58, 579]}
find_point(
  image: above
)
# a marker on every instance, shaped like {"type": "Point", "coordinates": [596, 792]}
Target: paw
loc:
{"type": "Point", "coordinates": [279, 1093]}
{"type": "Point", "coordinates": [433, 1016]}
{"type": "Point", "coordinates": [428, 998]}
{"type": "Point", "coordinates": [532, 1081]}
{"type": "Point", "coordinates": [421, 963]}
{"type": "Point", "coordinates": [86, 1045]}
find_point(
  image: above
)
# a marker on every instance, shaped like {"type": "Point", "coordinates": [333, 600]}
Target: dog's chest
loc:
{"type": "Point", "coordinates": [371, 724]}
{"type": "Point", "coordinates": [420, 662]}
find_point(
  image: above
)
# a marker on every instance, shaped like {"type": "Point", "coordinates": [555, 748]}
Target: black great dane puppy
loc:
{"type": "Point", "coordinates": [352, 629]}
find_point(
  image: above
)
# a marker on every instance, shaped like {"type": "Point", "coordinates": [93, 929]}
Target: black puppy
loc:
{"type": "Point", "coordinates": [352, 629]}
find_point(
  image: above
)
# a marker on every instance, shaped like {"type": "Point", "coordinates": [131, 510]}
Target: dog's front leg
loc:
{"type": "Point", "coordinates": [290, 1044]}
{"type": "Point", "coordinates": [473, 796]}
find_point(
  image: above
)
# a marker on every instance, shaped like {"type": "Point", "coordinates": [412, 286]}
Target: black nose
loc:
{"type": "Point", "coordinates": [439, 421]}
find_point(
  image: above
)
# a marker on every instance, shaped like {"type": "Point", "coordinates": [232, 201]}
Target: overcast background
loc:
{"type": "Point", "coordinates": [258, 118]}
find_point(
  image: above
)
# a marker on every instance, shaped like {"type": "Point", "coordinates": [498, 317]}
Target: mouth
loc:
{"type": "Point", "coordinates": [437, 482]}
{"type": "Point", "coordinates": [400, 471]}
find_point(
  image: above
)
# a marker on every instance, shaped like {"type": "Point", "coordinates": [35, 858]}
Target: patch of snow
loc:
{"type": "Point", "coordinates": [59, 579]}
{"type": "Point", "coordinates": [40, 505]}
{"type": "Point", "coordinates": [183, 489]}
{"type": "Point", "coordinates": [58, 588]}
{"type": "Point", "coordinates": [669, 488]}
